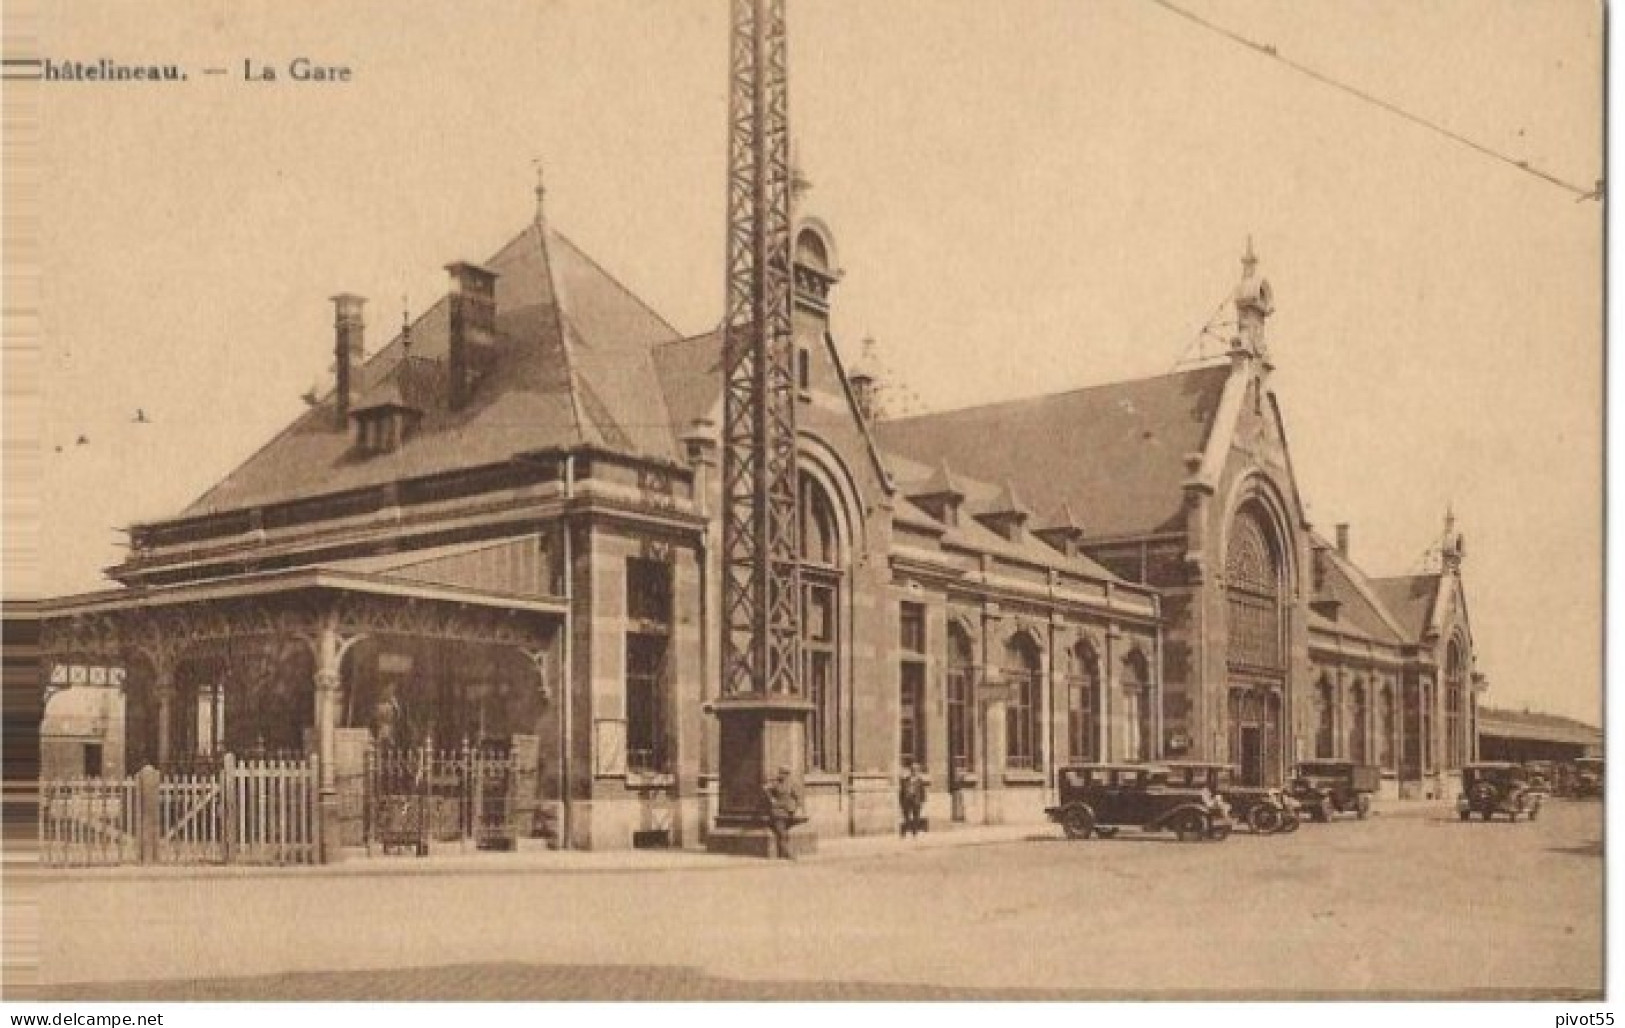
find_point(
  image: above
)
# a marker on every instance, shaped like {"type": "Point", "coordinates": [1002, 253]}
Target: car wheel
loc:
{"type": "Point", "coordinates": [1290, 822]}
{"type": "Point", "coordinates": [1219, 833]}
{"type": "Point", "coordinates": [1077, 822]}
{"type": "Point", "coordinates": [1265, 819]}
{"type": "Point", "coordinates": [1191, 827]}
{"type": "Point", "coordinates": [1362, 806]}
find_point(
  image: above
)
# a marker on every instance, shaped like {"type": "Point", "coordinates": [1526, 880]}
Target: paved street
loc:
{"type": "Point", "coordinates": [1410, 903]}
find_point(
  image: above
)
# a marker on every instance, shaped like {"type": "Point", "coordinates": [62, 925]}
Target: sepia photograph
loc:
{"type": "Point", "coordinates": [804, 500]}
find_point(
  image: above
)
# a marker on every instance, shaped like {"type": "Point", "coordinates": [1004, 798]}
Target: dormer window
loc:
{"type": "Point", "coordinates": [383, 429]}
{"type": "Point", "coordinates": [940, 496]}
{"type": "Point", "coordinates": [1005, 514]}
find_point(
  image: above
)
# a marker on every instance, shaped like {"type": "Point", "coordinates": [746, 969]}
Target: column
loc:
{"type": "Point", "coordinates": [991, 693]}
{"type": "Point", "coordinates": [994, 745]}
{"type": "Point", "coordinates": [1159, 732]}
{"type": "Point", "coordinates": [329, 654]}
{"type": "Point", "coordinates": [1052, 702]}
{"type": "Point", "coordinates": [164, 690]}
{"type": "Point", "coordinates": [1340, 701]}
{"type": "Point", "coordinates": [1109, 683]}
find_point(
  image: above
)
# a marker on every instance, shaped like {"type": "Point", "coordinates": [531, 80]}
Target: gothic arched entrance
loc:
{"type": "Point", "coordinates": [1256, 647]}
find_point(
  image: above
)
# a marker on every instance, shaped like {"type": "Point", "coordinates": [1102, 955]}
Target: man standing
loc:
{"type": "Point", "coordinates": [911, 797]}
{"type": "Point", "coordinates": [783, 804]}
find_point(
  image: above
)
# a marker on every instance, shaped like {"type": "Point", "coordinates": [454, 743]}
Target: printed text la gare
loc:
{"type": "Point", "coordinates": [300, 69]}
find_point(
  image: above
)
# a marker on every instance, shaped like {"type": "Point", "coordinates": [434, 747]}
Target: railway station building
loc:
{"type": "Point", "coordinates": [503, 527]}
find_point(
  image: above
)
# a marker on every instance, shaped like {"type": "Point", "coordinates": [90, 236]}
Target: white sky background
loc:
{"type": "Point", "coordinates": [1028, 196]}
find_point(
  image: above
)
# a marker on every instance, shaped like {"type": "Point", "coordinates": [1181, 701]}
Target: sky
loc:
{"type": "Point", "coordinates": [1027, 196]}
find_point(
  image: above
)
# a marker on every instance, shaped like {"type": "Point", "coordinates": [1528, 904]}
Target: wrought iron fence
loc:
{"type": "Point", "coordinates": [420, 795]}
{"type": "Point", "coordinates": [88, 823]}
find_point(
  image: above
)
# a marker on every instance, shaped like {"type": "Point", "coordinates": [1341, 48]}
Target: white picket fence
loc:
{"type": "Point", "coordinates": [252, 812]}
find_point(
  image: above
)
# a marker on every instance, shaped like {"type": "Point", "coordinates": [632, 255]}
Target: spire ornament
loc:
{"type": "Point", "coordinates": [540, 190]}
{"type": "Point", "coordinates": [1255, 302]}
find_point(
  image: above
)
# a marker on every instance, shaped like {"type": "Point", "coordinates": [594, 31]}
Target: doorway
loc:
{"type": "Point", "coordinates": [1251, 755]}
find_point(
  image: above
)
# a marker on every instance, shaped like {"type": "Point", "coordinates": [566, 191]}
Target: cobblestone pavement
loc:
{"type": "Point", "coordinates": [1397, 906]}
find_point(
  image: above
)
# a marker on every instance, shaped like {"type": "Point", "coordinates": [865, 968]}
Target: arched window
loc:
{"type": "Point", "coordinates": [820, 538]}
{"type": "Point", "coordinates": [1326, 723]}
{"type": "Point", "coordinates": [1359, 724]}
{"type": "Point", "coordinates": [1455, 681]}
{"type": "Point", "coordinates": [1083, 703]}
{"type": "Point", "coordinates": [961, 709]}
{"type": "Point", "coordinates": [1252, 569]}
{"type": "Point", "coordinates": [1024, 710]}
{"type": "Point", "coordinates": [821, 624]}
{"type": "Point", "coordinates": [1137, 706]}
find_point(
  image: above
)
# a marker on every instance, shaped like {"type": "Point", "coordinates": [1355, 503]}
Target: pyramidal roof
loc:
{"type": "Point", "coordinates": [572, 366]}
{"type": "Point", "coordinates": [1062, 519]}
{"type": "Point", "coordinates": [941, 483]}
{"type": "Point", "coordinates": [1006, 501]}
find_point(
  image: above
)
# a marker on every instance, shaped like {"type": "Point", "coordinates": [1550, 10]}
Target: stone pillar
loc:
{"type": "Point", "coordinates": [1339, 703]}
{"type": "Point", "coordinates": [991, 694]}
{"type": "Point", "coordinates": [994, 745]}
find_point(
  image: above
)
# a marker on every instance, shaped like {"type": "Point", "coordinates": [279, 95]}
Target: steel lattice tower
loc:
{"type": "Point", "coordinates": [761, 581]}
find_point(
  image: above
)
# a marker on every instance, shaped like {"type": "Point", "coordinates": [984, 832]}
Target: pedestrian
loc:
{"type": "Point", "coordinates": [783, 804]}
{"type": "Point", "coordinates": [911, 797]}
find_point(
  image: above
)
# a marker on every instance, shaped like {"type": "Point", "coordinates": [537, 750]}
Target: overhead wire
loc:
{"type": "Point", "coordinates": [1580, 192]}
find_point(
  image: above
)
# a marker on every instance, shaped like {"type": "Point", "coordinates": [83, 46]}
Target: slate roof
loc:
{"type": "Point", "coordinates": [690, 373]}
{"type": "Point", "coordinates": [1410, 599]}
{"type": "Point", "coordinates": [1360, 606]}
{"type": "Point", "coordinates": [913, 479]}
{"type": "Point", "coordinates": [1115, 451]}
{"type": "Point", "coordinates": [572, 366]}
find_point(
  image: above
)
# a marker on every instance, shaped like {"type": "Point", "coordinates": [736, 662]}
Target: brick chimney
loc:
{"type": "Point", "coordinates": [1343, 540]}
{"type": "Point", "coordinates": [473, 315]}
{"type": "Point", "coordinates": [348, 345]}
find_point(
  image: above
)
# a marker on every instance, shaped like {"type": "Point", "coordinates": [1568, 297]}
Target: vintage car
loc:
{"type": "Point", "coordinates": [1587, 778]}
{"type": "Point", "coordinates": [1542, 775]}
{"type": "Point", "coordinates": [1494, 788]}
{"type": "Point", "coordinates": [1098, 799]}
{"type": "Point", "coordinates": [1326, 787]}
{"type": "Point", "coordinates": [1264, 809]}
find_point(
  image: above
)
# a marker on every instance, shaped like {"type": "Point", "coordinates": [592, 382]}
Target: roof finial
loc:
{"type": "Point", "coordinates": [541, 189]}
{"type": "Point", "coordinates": [1452, 548]}
{"type": "Point", "coordinates": [1254, 304]}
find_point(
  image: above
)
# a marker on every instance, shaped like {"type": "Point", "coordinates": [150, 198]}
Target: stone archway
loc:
{"type": "Point", "coordinates": [1256, 587]}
